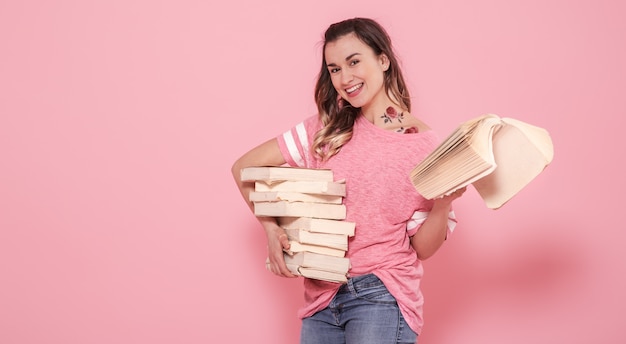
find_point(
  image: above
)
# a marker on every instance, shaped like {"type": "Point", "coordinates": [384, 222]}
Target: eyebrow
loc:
{"type": "Point", "coordinates": [347, 59]}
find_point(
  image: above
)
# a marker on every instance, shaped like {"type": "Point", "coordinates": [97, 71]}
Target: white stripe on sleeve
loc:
{"type": "Point", "coordinates": [420, 216]}
{"type": "Point", "coordinates": [293, 148]}
{"type": "Point", "coordinates": [417, 219]}
{"type": "Point", "coordinates": [451, 221]}
{"type": "Point", "coordinates": [302, 136]}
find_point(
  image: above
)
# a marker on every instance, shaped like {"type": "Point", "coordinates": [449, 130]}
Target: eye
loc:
{"type": "Point", "coordinates": [333, 70]}
{"type": "Point", "coordinates": [354, 62]}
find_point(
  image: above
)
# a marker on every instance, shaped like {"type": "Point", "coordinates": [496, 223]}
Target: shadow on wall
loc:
{"type": "Point", "coordinates": [524, 275]}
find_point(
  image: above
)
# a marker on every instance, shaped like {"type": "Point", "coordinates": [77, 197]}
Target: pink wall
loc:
{"type": "Point", "coordinates": [119, 121]}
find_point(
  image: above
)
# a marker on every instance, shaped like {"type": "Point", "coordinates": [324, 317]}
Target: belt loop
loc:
{"type": "Point", "coordinates": [351, 286]}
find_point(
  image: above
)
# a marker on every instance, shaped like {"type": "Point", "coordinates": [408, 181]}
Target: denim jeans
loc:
{"type": "Point", "coordinates": [362, 312]}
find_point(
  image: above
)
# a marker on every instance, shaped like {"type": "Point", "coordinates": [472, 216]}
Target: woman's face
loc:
{"type": "Point", "coordinates": [356, 72]}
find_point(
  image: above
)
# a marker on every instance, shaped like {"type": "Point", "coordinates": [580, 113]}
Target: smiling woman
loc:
{"type": "Point", "coordinates": [358, 53]}
{"type": "Point", "coordinates": [363, 117]}
{"type": "Point", "coordinates": [120, 121]}
{"type": "Point", "coordinates": [352, 64]}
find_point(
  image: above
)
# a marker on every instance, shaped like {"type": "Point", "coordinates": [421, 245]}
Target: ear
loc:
{"type": "Point", "coordinates": [384, 62]}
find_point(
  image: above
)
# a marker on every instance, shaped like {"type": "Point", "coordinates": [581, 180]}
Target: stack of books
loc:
{"type": "Point", "coordinates": [308, 204]}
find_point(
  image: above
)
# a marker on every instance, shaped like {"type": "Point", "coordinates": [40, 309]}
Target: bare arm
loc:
{"type": "Point", "coordinates": [433, 231]}
{"type": "Point", "coordinates": [266, 154]}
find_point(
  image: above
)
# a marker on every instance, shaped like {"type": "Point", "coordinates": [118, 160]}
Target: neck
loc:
{"type": "Point", "coordinates": [377, 107]}
{"type": "Point", "coordinates": [374, 113]}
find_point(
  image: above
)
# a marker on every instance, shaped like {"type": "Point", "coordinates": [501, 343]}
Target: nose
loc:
{"type": "Point", "coordinates": [346, 76]}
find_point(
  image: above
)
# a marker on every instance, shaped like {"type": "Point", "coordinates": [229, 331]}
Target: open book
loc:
{"type": "Point", "coordinates": [498, 156]}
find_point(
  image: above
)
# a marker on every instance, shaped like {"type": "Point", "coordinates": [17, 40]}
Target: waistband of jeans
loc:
{"type": "Point", "coordinates": [354, 284]}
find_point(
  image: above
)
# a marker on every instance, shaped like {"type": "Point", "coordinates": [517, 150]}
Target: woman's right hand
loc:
{"type": "Point", "coordinates": [265, 154]}
{"type": "Point", "coordinates": [277, 241]}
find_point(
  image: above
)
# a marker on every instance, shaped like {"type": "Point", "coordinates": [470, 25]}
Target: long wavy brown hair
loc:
{"type": "Point", "coordinates": [337, 115]}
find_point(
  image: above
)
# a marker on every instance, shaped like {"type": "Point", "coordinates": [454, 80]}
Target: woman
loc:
{"type": "Point", "coordinates": [364, 132]}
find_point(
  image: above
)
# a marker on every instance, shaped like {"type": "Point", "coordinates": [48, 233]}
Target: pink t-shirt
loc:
{"type": "Point", "coordinates": [381, 200]}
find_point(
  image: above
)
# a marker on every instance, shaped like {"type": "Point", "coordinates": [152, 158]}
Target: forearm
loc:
{"type": "Point", "coordinates": [276, 238]}
{"type": "Point", "coordinates": [268, 223]}
{"type": "Point", "coordinates": [432, 232]}
{"type": "Point", "coordinates": [266, 154]}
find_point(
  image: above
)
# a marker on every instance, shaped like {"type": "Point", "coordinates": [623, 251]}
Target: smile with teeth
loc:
{"type": "Point", "coordinates": [354, 88]}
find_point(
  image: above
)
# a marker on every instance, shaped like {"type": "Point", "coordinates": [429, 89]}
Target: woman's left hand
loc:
{"type": "Point", "coordinates": [447, 199]}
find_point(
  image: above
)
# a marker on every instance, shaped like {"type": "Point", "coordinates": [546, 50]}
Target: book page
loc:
{"type": "Point", "coordinates": [538, 136]}
{"type": "Point", "coordinates": [481, 140]}
{"type": "Point", "coordinates": [518, 159]}
{"type": "Point", "coordinates": [465, 156]}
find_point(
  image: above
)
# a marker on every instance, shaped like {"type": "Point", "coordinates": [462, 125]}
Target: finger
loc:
{"type": "Point", "coordinates": [284, 241]}
{"type": "Point", "coordinates": [286, 273]}
{"type": "Point", "coordinates": [279, 268]}
{"type": "Point", "coordinates": [283, 270]}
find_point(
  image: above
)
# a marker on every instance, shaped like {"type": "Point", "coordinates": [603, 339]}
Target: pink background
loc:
{"type": "Point", "coordinates": [119, 121]}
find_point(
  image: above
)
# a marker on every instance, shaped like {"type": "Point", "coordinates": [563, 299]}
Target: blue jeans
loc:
{"type": "Point", "coordinates": [362, 312]}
